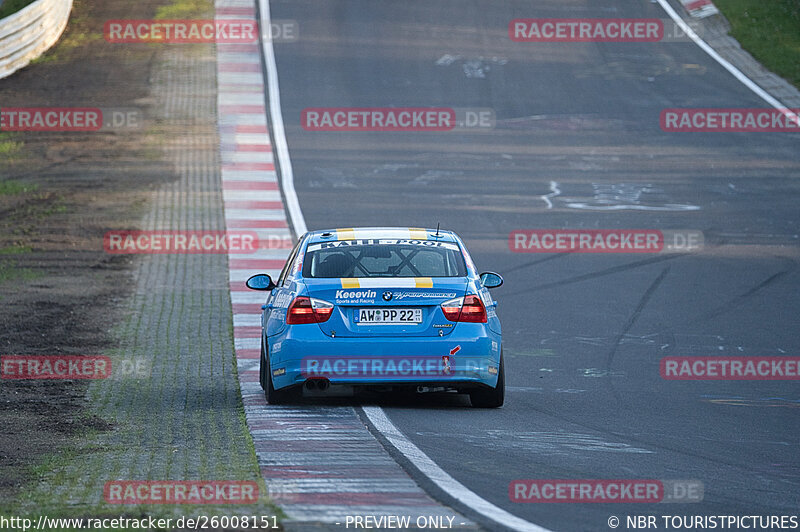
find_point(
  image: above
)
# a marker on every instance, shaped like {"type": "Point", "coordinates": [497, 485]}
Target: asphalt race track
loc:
{"type": "Point", "coordinates": [650, 384]}
{"type": "Point", "coordinates": [575, 144]}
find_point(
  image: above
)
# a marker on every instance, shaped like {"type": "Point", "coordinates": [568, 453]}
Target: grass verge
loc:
{"type": "Point", "coordinates": [9, 271]}
{"type": "Point", "coordinates": [10, 7]}
{"type": "Point", "coordinates": [184, 9]}
{"type": "Point", "coordinates": [769, 30]}
{"type": "Point", "coordinates": [12, 187]}
{"type": "Point", "coordinates": [8, 146]}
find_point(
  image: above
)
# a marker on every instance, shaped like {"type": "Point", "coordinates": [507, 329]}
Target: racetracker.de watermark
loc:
{"type": "Point", "coordinates": [604, 241]}
{"type": "Point", "coordinates": [221, 31]}
{"type": "Point", "coordinates": [69, 119]}
{"type": "Point", "coordinates": [585, 30]}
{"type": "Point", "coordinates": [54, 367]}
{"type": "Point", "coordinates": [180, 492]}
{"type": "Point", "coordinates": [586, 490]}
{"type": "Point", "coordinates": [736, 368]}
{"type": "Point", "coordinates": [606, 491]}
{"type": "Point", "coordinates": [730, 120]}
{"type": "Point", "coordinates": [190, 242]}
{"type": "Point", "coordinates": [396, 119]}
{"type": "Point", "coordinates": [409, 367]}
{"type": "Point", "coordinates": [566, 30]}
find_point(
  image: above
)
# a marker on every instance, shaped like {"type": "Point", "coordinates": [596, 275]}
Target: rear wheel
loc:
{"type": "Point", "coordinates": [492, 397]}
{"type": "Point", "coordinates": [273, 396]}
{"type": "Point", "coordinates": [262, 372]}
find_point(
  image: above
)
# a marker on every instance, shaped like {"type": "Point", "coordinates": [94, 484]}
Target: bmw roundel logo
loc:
{"type": "Point", "coordinates": [387, 296]}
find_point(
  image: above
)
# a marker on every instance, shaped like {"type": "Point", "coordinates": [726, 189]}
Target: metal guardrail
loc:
{"type": "Point", "coordinates": [30, 32]}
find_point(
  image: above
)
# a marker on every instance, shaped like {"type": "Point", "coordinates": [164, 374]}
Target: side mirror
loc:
{"type": "Point", "coordinates": [260, 281]}
{"type": "Point", "coordinates": [491, 279]}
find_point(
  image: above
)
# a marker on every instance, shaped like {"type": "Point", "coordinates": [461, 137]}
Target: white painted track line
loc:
{"type": "Point", "coordinates": [273, 89]}
{"type": "Point", "coordinates": [451, 486]}
{"type": "Point", "coordinates": [738, 74]}
{"type": "Point", "coordinates": [376, 415]}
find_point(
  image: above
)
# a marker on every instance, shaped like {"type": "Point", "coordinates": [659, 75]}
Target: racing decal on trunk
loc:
{"type": "Point", "coordinates": [355, 297]}
{"type": "Point", "coordinates": [447, 365]}
{"type": "Point", "coordinates": [416, 295]}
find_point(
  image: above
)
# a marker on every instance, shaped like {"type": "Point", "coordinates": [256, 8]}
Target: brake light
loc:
{"type": "Point", "coordinates": [469, 308]}
{"type": "Point", "coordinates": [308, 310]}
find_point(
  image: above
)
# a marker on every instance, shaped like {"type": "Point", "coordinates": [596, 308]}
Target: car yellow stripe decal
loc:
{"type": "Point", "coordinates": [345, 234]}
{"type": "Point", "coordinates": [417, 234]}
{"type": "Point", "coordinates": [382, 282]}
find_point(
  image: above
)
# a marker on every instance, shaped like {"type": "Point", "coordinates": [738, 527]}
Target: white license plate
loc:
{"type": "Point", "coordinates": [388, 316]}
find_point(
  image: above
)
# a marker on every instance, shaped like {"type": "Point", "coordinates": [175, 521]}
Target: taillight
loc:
{"type": "Point", "coordinates": [469, 308]}
{"type": "Point", "coordinates": [308, 310]}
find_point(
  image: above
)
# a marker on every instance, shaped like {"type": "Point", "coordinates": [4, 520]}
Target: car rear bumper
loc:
{"type": "Point", "coordinates": [467, 358]}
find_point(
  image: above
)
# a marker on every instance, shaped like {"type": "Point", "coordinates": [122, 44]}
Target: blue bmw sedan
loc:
{"type": "Point", "coordinates": [380, 309]}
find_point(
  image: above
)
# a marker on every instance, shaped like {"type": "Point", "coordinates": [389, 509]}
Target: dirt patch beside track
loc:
{"type": "Point", "coordinates": [59, 193]}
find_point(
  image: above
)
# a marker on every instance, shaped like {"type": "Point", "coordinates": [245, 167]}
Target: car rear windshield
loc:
{"type": "Point", "coordinates": [383, 258]}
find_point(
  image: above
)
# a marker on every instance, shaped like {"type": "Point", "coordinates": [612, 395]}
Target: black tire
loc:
{"type": "Point", "coordinates": [492, 397]}
{"type": "Point", "coordinates": [273, 396]}
{"type": "Point", "coordinates": [262, 371]}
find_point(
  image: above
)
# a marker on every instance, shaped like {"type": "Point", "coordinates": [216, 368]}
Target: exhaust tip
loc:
{"type": "Point", "coordinates": [311, 384]}
{"type": "Point", "coordinates": [323, 385]}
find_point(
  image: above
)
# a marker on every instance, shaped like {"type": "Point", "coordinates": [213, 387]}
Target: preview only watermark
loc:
{"type": "Point", "coordinates": [604, 241]}
{"type": "Point", "coordinates": [198, 31]}
{"type": "Point", "coordinates": [400, 522]}
{"type": "Point", "coordinates": [68, 119]}
{"type": "Point", "coordinates": [189, 242]}
{"type": "Point", "coordinates": [730, 120]}
{"type": "Point", "coordinates": [54, 367]}
{"type": "Point", "coordinates": [180, 492]}
{"type": "Point", "coordinates": [396, 118]}
{"type": "Point", "coordinates": [605, 491]}
{"type": "Point", "coordinates": [738, 368]}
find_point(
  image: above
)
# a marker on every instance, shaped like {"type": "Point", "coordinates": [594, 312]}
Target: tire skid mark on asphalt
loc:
{"type": "Point", "coordinates": [595, 275]}
{"type": "Point", "coordinates": [319, 463]}
{"type": "Point", "coordinates": [635, 316]}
